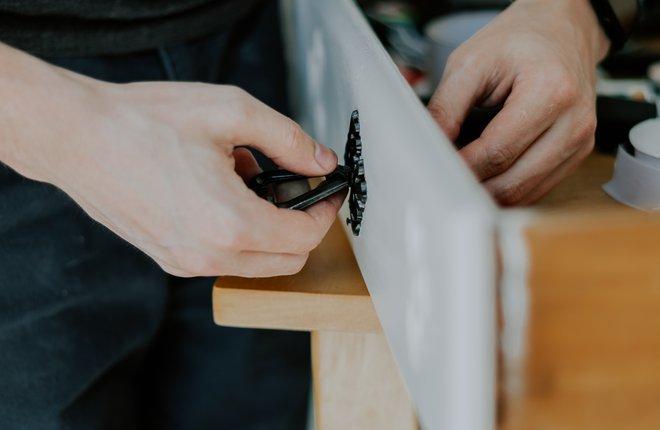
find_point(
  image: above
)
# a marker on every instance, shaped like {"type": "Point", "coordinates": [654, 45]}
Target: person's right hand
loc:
{"type": "Point", "coordinates": [158, 164]}
{"type": "Point", "coordinates": [537, 60]}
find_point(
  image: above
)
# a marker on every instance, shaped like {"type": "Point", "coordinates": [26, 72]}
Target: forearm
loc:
{"type": "Point", "coordinates": [42, 108]}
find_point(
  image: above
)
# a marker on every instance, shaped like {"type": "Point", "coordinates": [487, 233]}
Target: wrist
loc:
{"type": "Point", "coordinates": [602, 43]}
{"type": "Point", "coordinates": [617, 18]}
{"type": "Point", "coordinates": [44, 114]}
{"type": "Point", "coordinates": [583, 20]}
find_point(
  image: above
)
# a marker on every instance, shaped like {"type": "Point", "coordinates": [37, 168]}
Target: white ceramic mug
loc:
{"type": "Point", "coordinates": [636, 180]}
{"type": "Point", "coordinates": [645, 138]}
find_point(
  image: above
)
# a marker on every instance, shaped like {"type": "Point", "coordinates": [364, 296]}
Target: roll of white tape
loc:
{"type": "Point", "coordinates": [645, 138]}
{"type": "Point", "coordinates": [653, 74]}
{"type": "Point", "coordinates": [636, 180]}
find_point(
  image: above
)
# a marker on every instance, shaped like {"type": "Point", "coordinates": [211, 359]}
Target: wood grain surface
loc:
{"type": "Point", "coordinates": [582, 191]}
{"type": "Point", "coordinates": [357, 384]}
{"type": "Point", "coordinates": [593, 336]}
{"type": "Point", "coordinates": [593, 339]}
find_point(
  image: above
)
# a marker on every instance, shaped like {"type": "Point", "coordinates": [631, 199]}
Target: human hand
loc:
{"type": "Point", "coordinates": [158, 164]}
{"type": "Point", "coordinates": [538, 59]}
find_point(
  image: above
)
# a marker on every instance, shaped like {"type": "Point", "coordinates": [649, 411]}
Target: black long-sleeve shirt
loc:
{"type": "Point", "coordinates": [82, 27]}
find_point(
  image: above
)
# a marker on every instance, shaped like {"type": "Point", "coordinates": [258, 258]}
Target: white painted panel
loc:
{"type": "Point", "coordinates": [426, 249]}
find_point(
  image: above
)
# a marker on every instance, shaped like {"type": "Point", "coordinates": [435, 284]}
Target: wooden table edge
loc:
{"type": "Point", "coordinates": [288, 310]}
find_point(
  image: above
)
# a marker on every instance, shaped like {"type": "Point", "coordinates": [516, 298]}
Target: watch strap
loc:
{"type": "Point", "coordinates": [617, 18]}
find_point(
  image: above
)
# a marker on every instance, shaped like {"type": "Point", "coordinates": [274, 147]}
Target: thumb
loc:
{"type": "Point", "coordinates": [284, 141]}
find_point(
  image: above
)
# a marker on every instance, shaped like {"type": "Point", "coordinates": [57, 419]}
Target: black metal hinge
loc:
{"type": "Point", "coordinates": [350, 175]}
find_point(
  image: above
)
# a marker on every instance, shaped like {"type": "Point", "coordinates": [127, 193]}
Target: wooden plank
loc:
{"type": "Point", "coordinates": [357, 384]}
{"type": "Point", "coordinates": [592, 339]}
{"type": "Point", "coordinates": [328, 294]}
{"type": "Point", "coordinates": [594, 297]}
{"type": "Point", "coordinates": [582, 191]}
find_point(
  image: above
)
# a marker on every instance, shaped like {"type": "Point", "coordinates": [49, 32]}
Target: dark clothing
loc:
{"type": "Point", "coordinates": [93, 27]}
{"type": "Point", "coordinates": [93, 335]}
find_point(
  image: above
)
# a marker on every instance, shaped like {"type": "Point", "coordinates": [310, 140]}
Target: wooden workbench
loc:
{"type": "Point", "coordinates": [591, 339]}
{"type": "Point", "coordinates": [356, 383]}
{"type": "Point", "coordinates": [593, 336]}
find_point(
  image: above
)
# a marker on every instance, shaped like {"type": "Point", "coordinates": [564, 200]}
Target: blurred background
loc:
{"type": "Point", "coordinates": [419, 35]}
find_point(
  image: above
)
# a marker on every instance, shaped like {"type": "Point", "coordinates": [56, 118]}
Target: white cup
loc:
{"type": "Point", "coordinates": [446, 33]}
{"type": "Point", "coordinates": [645, 138]}
{"type": "Point", "coordinates": [636, 180]}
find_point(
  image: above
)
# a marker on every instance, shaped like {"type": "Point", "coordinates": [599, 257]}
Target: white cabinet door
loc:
{"type": "Point", "coordinates": [426, 248]}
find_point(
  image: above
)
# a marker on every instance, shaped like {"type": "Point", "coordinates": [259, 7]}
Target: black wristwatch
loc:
{"type": "Point", "coordinates": [617, 18]}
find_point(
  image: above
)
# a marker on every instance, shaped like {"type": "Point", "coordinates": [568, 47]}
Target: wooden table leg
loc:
{"type": "Point", "coordinates": [357, 384]}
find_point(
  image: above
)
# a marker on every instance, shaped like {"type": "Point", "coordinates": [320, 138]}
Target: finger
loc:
{"type": "Point", "coordinates": [247, 167]}
{"type": "Point", "coordinates": [291, 231]}
{"type": "Point", "coordinates": [244, 264]}
{"type": "Point", "coordinates": [324, 212]}
{"type": "Point", "coordinates": [281, 139]}
{"type": "Point", "coordinates": [526, 116]}
{"type": "Point", "coordinates": [561, 142]}
{"type": "Point", "coordinates": [542, 158]}
{"type": "Point", "coordinates": [560, 173]}
{"type": "Point", "coordinates": [171, 269]}
{"type": "Point", "coordinates": [249, 264]}
{"type": "Point", "coordinates": [245, 164]}
{"type": "Point", "coordinates": [462, 85]}
{"type": "Point", "coordinates": [261, 264]}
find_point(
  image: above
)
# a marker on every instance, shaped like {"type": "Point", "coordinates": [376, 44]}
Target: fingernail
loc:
{"type": "Point", "coordinates": [325, 157]}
